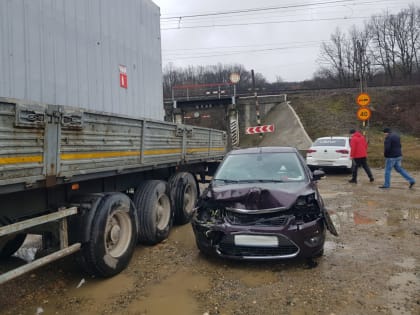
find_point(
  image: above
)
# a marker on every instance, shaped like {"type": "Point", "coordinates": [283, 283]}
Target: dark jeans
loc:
{"type": "Point", "coordinates": [357, 162]}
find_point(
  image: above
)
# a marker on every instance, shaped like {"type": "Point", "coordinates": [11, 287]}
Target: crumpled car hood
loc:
{"type": "Point", "coordinates": [257, 196]}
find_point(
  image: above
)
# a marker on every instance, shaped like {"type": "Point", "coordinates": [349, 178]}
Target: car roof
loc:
{"type": "Point", "coordinates": [273, 149]}
{"type": "Point", "coordinates": [332, 137]}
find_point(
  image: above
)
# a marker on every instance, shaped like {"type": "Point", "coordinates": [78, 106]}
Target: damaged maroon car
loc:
{"type": "Point", "coordinates": [262, 203]}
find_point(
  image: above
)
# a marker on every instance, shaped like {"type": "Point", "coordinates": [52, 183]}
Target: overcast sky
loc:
{"type": "Point", "coordinates": [278, 38]}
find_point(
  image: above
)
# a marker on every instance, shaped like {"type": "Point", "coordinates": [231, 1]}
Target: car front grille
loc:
{"type": "Point", "coordinates": [285, 248]}
{"type": "Point", "coordinates": [267, 219]}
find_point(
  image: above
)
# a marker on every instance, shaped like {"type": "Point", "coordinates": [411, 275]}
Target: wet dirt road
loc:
{"type": "Point", "coordinates": [373, 267]}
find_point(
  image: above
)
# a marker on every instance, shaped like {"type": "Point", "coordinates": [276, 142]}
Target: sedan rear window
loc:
{"type": "Point", "coordinates": [329, 143]}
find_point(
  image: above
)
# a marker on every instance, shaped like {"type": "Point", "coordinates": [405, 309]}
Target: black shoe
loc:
{"type": "Point", "coordinates": [371, 179]}
{"type": "Point", "coordinates": [383, 187]}
{"type": "Point", "coordinates": [353, 181]}
{"type": "Point", "coordinates": [411, 185]}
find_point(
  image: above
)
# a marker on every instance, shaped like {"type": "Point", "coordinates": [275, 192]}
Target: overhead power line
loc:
{"type": "Point", "coordinates": [255, 9]}
{"type": "Point", "coordinates": [265, 23]}
{"type": "Point", "coordinates": [169, 57]}
{"type": "Point", "coordinates": [260, 9]}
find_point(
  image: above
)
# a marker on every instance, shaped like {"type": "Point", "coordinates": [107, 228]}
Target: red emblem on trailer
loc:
{"type": "Point", "coordinates": [123, 77]}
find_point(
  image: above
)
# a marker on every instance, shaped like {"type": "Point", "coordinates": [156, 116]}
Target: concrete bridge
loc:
{"type": "Point", "coordinates": [236, 114]}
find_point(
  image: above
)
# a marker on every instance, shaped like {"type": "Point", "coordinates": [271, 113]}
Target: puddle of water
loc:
{"type": "Point", "coordinates": [172, 296]}
{"type": "Point", "coordinates": [104, 289]}
{"type": "Point", "coordinates": [372, 205]}
{"type": "Point", "coordinates": [359, 218]}
{"type": "Point", "coordinates": [396, 216]}
{"type": "Point", "coordinates": [95, 294]}
{"type": "Point", "coordinates": [183, 235]}
{"type": "Point", "coordinates": [413, 215]}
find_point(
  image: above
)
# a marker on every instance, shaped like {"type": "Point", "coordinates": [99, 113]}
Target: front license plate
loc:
{"type": "Point", "coordinates": [256, 240]}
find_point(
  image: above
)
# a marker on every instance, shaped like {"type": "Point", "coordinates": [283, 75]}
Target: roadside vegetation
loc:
{"type": "Point", "coordinates": [333, 113]}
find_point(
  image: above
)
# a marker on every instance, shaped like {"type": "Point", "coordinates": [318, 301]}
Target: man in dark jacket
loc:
{"type": "Point", "coordinates": [358, 153]}
{"type": "Point", "coordinates": [393, 157]}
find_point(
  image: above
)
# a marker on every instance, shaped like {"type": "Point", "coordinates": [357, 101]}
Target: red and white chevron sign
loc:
{"type": "Point", "coordinates": [259, 129]}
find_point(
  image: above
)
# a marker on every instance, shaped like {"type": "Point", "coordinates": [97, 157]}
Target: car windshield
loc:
{"type": "Point", "coordinates": [329, 142]}
{"type": "Point", "coordinates": [257, 167]}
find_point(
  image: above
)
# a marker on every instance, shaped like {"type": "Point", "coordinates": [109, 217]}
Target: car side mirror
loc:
{"type": "Point", "coordinates": [318, 174]}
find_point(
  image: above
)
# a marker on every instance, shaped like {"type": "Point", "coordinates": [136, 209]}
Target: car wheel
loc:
{"type": "Point", "coordinates": [153, 211]}
{"type": "Point", "coordinates": [184, 193]}
{"type": "Point", "coordinates": [112, 237]}
{"type": "Point", "coordinates": [10, 244]}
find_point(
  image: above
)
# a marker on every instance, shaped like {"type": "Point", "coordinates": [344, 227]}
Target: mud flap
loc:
{"type": "Point", "coordinates": [329, 223]}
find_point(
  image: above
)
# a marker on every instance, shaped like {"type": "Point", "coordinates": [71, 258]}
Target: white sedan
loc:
{"type": "Point", "coordinates": [329, 152]}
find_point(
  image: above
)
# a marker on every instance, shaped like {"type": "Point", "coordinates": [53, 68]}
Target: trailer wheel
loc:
{"type": "Point", "coordinates": [10, 244]}
{"type": "Point", "coordinates": [154, 211]}
{"type": "Point", "coordinates": [113, 237]}
{"type": "Point", "coordinates": [184, 195]}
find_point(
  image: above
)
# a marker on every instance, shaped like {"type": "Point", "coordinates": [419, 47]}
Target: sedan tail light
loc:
{"type": "Point", "coordinates": [310, 151]}
{"type": "Point", "coordinates": [342, 151]}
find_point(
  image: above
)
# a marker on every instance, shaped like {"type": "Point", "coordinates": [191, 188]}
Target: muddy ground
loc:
{"type": "Point", "coordinates": [373, 267]}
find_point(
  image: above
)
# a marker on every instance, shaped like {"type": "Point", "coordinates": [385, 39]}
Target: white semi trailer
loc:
{"type": "Point", "coordinates": [86, 160]}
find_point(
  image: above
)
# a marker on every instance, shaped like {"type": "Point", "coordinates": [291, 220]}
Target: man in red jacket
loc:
{"type": "Point", "coordinates": [358, 153]}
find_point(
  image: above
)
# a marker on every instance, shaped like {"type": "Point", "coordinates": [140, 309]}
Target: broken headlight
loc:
{"type": "Point", "coordinates": [205, 215]}
{"type": "Point", "coordinates": [305, 202]}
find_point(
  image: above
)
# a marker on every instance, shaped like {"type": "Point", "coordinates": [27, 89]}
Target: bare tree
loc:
{"type": "Point", "coordinates": [384, 44]}
{"type": "Point", "coordinates": [358, 54]}
{"type": "Point", "coordinates": [333, 55]}
{"type": "Point", "coordinates": [402, 26]}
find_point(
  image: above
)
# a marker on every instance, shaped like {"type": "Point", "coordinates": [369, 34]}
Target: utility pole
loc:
{"type": "Point", "coordinates": [257, 105]}
{"type": "Point", "coordinates": [362, 79]}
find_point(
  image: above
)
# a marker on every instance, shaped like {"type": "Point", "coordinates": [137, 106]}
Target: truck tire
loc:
{"type": "Point", "coordinates": [113, 237]}
{"type": "Point", "coordinates": [154, 212]}
{"type": "Point", "coordinates": [184, 193]}
{"type": "Point", "coordinates": [10, 244]}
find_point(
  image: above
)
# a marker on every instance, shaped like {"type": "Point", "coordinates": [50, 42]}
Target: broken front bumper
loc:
{"type": "Point", "coordinates": [260, 242]}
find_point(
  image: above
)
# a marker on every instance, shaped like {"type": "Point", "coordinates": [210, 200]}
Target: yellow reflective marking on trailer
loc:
{"type": "Point", "coordinates": [162, 151]}
{"type": "Point", "coordinates": [97, 155]}
{"type": "Point", "coordinates": [204, 149]}
{"type": "Point", "coordinates": [21, 159]}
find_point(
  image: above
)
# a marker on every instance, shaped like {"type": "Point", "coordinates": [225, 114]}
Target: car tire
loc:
{"type": "Point", "coordinates": [113, 237]}
{"type": "Point", "coordinates": [184, 194]}
{"type": "Point", "coordinates": [10, 245]}
{"type": "Point", "coordinates": [154, 211]}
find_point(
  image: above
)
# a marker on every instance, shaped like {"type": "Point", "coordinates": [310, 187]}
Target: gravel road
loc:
{"type": "Point", "coordinates": [373, 267]}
